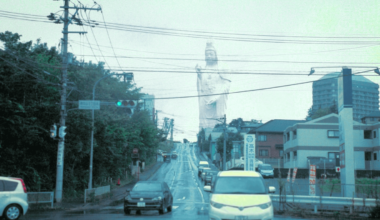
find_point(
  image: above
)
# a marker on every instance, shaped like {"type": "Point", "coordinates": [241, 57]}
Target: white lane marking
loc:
{"type": "Point", "coordinates": [183, 197]}
{"type": "Point", "coordinates": [203, 200]}
{"type": "Point", "coordinates": [202, 208]}
{"type": "Point", "coordinates": [175, 207]}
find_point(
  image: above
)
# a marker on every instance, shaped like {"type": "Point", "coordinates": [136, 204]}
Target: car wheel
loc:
{"type": "Point", "coordinates": [127, 211]}
{"type": "Point", "coordinates": [12, 212]}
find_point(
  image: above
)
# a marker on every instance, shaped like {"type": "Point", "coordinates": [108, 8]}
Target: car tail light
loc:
{"type": "Point", "coordinates": [23, 184]}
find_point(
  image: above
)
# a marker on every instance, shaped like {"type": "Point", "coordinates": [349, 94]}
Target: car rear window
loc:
{"type": "Point", "coordinates": [9, 185]}
{"type": "Point", "coordinates": [1, 186]}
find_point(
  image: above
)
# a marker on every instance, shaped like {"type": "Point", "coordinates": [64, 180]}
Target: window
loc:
{"type": "Point", "coordinates": [294, 155]}
{"type": "Point", "coordinates": [367, 134]}
{"type": "Point", "coordinates": [294, 134]}
{"type": "Point", "coordinates": [281, 153]}
{"type": "Point", "coordinates": [374, 134]}
{"type": "Point", "coordinates": [287, 136]}
{"type": "Point", "coordinates": [262, 138]}
{"type": "Point", "coordinates": [263, 153]}
{"type": "Point", "coordinates": [288, 156]}
{"type": "Point", "coordinates": [333, 133]}
{"type": "Point", "coordinates": [374, 156]}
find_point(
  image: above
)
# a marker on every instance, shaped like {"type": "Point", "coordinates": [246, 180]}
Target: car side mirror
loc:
{"type": "Point", "coordinates": [272, 189]}
{"type": "Point", "coordinates": [207, 188]}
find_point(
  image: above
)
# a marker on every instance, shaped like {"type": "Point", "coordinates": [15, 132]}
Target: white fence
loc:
{"type": "Point", "coordinates": [41, 197]}
{"type": "Point", "coordinates": [324, 200]}
{"type": "Point", "coordinates": [97, 192]}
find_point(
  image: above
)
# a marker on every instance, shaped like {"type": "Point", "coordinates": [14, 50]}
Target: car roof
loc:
{"type": "Point", "coordinates": [239, 173]}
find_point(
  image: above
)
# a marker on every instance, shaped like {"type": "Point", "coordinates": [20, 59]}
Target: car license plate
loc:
{"type": "Point", "coordinates": [240, 217]}
{"type": "Point", "coordinates": [141, 204]}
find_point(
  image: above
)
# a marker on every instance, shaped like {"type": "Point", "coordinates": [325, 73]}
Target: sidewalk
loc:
{"type": "Point", "coordinates": [117, 193]}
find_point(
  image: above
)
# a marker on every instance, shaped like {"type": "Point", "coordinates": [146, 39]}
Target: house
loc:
{"type": "Point", "coordinates": [320, 137]}
{"type": "Point", "coordinates": [269, 140]}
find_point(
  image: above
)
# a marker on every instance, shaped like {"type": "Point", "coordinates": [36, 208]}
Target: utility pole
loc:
{"type": "Point", "coordinates": [224, 142]}
{"type": "Point", "coordinates": [171, 132]}
{"type": "Point", "coordinates": [62, 122]}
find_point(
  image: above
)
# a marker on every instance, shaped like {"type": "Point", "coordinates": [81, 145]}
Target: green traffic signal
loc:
{"type": "Point", "coordinates": [118, 103]}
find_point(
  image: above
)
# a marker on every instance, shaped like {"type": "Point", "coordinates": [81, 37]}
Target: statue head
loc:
{"type": "Point", "coordinates": [210, 54]}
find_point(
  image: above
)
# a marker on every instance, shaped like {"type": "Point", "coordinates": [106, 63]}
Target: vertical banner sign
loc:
{"type": "Point", "coordinates": [288, 179]}
{"type": "Point", "coordinates": [249, 150]}
{"type": "Point", "coordinates": [294, 174]}
{"type": "Point", "coordinates": [312, 177]}
{"type": "Point", "coordinates": [60, 154]}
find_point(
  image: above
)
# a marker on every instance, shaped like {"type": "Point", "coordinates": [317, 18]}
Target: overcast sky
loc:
{"type": "Point", "coordinates": [268, 41]}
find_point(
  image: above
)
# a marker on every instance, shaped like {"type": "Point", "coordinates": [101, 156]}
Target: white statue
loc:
{"type": "Point", "coordinates": [212, 79]}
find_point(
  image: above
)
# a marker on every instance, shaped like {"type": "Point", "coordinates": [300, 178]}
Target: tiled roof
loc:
{"type": "Point", "coordinates": [277, 125]}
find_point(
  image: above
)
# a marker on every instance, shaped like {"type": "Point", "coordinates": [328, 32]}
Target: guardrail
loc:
{"type": "Point", "coordinates": [96, 192]}
{"type": "Point", "coordinates": [324, 200]}
{"type": "Point", "coordinates": [41, 197]}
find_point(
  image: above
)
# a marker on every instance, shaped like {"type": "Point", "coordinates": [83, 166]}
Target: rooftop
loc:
{"type": "Point", "coordinates": [277, 125]}
{"type": "Point", "coordinates": [354, 77]}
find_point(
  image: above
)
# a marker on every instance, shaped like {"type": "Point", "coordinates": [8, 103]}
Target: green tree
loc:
{"type": "Point", "coordinates": [231, 137]}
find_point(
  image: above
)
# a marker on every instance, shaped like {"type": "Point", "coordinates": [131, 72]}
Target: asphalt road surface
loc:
{"type": "Point", "coordinates": [181, 174]}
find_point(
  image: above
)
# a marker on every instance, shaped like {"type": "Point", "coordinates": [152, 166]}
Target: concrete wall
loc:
{"type": "Point", "coordinates": [315, 137]}
{"type": "Point", "coordinates": [359, 160]}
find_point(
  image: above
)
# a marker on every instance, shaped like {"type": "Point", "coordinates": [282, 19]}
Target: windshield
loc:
{"type": "Point", "coordinates": [147, 187]}
{"type": "Point", "coordinates": [240, 185]}
{"type": "Point", "coordinates": [266, 168]}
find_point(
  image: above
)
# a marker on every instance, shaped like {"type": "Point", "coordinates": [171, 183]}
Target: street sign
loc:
{"type": "Point", "coordinates": [89, 104]}
{"type": "Point", "coordinates": [249, 151]}
{"type": "Point", "coordinates": [337, 169]}
{"type": "Point", "coordinates": [294, 174]}
{"type": "Point", "coordinates": [312, 178]}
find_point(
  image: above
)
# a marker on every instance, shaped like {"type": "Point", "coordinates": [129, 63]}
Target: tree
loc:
{"type": "Point", "coordinates": [231, 137]}
{"type": "Point", "coordinates": [237, 123]}
{"type": "Point", "coordinates": [29, 91]}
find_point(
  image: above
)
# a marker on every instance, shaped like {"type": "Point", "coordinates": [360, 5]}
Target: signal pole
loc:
{"type": "Point", "coordinates": [62, 122]}
{"type": "Point", "coordinates": [171, 132]}
{"type": "Point", "coordinates": [224, 142]}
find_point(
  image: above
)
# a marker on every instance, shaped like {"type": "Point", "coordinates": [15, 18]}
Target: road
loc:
{"type": "Point", "coordinates": [190, 201]}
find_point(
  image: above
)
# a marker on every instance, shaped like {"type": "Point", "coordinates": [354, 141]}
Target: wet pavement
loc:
{"type": "Point", "coordinates": [181, 174]}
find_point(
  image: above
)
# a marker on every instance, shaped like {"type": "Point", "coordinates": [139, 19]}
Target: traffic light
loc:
{"type": "Point", "coordinates": [62, 131]}
{"type": "Point", "coordinates": [130, 105]}
{"type": "Point", "coordinates": [53, 131]}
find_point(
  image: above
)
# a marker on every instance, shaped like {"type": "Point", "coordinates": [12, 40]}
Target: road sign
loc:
{"type": "Point", "coordinates": [337, 169]}
{"type": "Point", "coordinates": [288, 179]}
{"type": "Point", "coordinates": [89, 104]}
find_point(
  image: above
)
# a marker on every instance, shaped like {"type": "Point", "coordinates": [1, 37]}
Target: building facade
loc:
{"type": "Point", "coordinates": [320, 138]}
{"type": "Point", "coordinates": [365, 94]}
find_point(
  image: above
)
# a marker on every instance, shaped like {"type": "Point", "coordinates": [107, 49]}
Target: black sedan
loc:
{"type": "Point", "coordinates": [149, 195]}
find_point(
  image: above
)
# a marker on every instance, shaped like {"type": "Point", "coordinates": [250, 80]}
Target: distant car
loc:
{"type": "Point", "coordinates": [149, 195]}
{"type": "Point", "coordinates": [163, 153]}
{"type": "Point", "coordinates": [13, 198]}
{"type": "Point", "coordinates": [174, 156]}
{"type": "Point", "coordinates": [204, 170]}
{"type": "Point", "coordinates": [266, 170]}
{"type": "Point", "coordinates": [209, 176]}
{"type": "Point", "coordinates": [167, 158]}
{"type": "Point", "coordinates": [240, 195]}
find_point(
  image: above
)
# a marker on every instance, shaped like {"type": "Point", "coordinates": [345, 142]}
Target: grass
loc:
{"type": "Point", "coordinates": [369, 187]}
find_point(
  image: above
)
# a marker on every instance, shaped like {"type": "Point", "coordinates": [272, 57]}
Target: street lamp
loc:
{"type": "Point", "coordinates": [92, 127]}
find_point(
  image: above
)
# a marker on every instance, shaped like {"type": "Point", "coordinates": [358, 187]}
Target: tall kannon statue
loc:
{"type": "Point", "coordinates": [212, 79]}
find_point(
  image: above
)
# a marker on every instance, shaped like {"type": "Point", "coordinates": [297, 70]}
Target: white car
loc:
{"type": "Point", "coordinates": [13, 198]}
{"type": "Point", "coordinates": [257, 162]}
{"type": "Point", "coordinates": [240, 195]}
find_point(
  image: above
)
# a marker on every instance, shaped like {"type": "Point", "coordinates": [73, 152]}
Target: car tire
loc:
{"type": "Point", "coordinates": [127, 211]}
{"type": "Point", "coordinates": [12, 212]}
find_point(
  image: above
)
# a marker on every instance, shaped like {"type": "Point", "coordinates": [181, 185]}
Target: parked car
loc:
{"type": "Point", "coordinates": [149, 195]}
{"type": "Point", "coordinates": [266, 170]}
{"type": "Point", "coordinates": [209, 177]}
{"type": "Point", "coordinates": [204, 169]}
{"type": "Point", "coordinates": [240, 195]}
{"type": "Point", "coordinates": [201, 165]}
{"type": "Point", "coordinates": [13, 198]}
{"type": "Point", "coordinates": [174, 155]}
